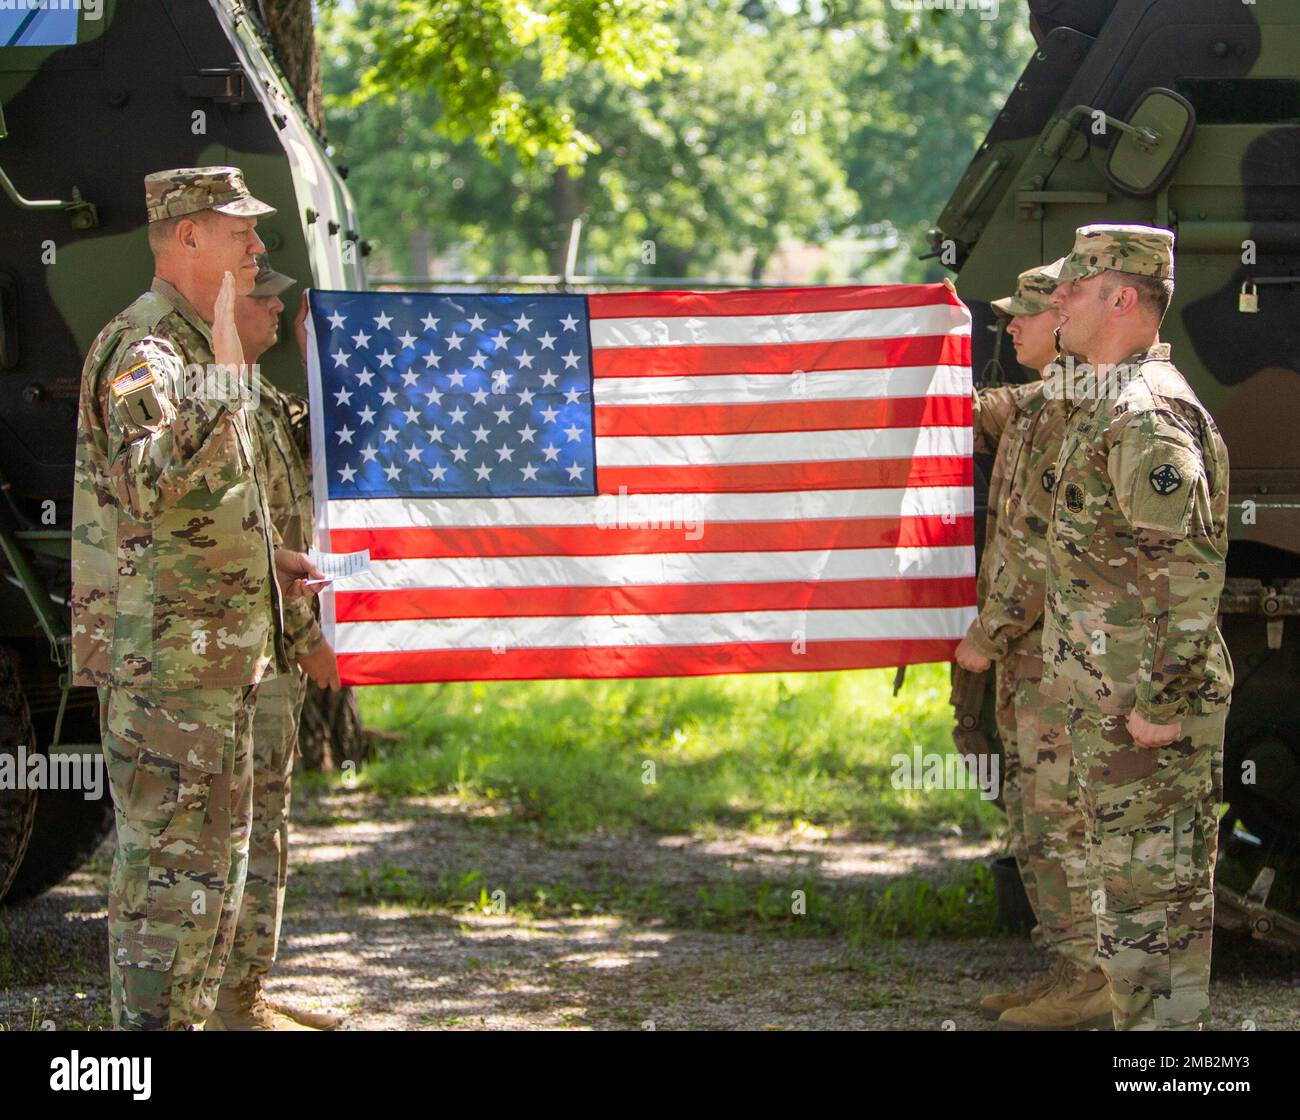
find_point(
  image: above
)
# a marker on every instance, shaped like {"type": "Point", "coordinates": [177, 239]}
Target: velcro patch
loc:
{"type": "Point", "coordinates": [137, 377]}
{"type": "Point", "coordinates": [1165, 479]}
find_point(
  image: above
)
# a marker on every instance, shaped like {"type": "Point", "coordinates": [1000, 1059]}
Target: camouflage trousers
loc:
{"type": "Point", "coordinates": [1041, 794]}
{"type": "Point", "coordinates": [1152, 841]}
{"type": "Point", "coordinates": [275, 736]}
{"type": "Point", "coordinates": [180, 771]}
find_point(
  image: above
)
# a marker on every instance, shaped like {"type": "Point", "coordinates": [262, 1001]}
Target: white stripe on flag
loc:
{"type": "Point", "coordinates": [655, 630]}
{"type": "Point", "coordinates": [776, 330]}
{"type": "Point", "coordinates": [782, 447]}
{"type": "Point", "coordinates": [769, 388]}
{"type": "Point", "coordinates": [669, 568]}
{"type": "Point", "coordinates": [797, 505]}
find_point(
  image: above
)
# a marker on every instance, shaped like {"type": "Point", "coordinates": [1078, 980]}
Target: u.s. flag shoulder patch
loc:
{"type": "Point", "coordinates": [137, 377]}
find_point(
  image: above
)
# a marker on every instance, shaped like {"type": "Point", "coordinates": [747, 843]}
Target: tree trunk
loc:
{"type": "Point", "coordinates": [292, 31]}
{"type": "Point", "coordinates": [566, 203]}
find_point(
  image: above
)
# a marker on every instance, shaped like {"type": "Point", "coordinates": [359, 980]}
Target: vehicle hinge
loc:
{"type": "Point", "coordinates": [225, 85]}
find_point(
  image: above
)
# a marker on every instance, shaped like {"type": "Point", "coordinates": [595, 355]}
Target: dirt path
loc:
{"type": "Point", "coordinates": [375, 929]}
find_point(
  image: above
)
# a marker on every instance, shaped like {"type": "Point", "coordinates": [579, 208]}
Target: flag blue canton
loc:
{"type": "Point", "coordinates": [455, 396]}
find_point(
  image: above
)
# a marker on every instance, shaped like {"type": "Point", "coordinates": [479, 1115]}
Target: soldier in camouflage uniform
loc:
{"type": "Point", "coordinates": [280, 424]}
{"type": "Point", "coordinates": [175, 614]}
{"type": "Point", "coordinates": [1136, 557]}
{"type": "Point", "coordinates": [1022, 425]}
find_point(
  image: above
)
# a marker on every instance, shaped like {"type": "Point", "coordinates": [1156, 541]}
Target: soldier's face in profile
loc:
{"type": "Point", "coordinates": [1082, 308]}
{"type": "Point", "coordinates": [228, 244]}
{"type": "Point", "coordinates": [1034, 337]}
{"type": "Point", "coordinates": [257, 318]}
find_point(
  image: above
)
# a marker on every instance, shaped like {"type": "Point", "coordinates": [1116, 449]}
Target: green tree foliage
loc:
{"type": "Point", "coordinates": [767, 122]}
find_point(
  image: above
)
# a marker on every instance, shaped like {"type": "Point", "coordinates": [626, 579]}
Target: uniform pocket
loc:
{"type": "Point", "coordinates": [172, 757]}
{"type": "Point", "coordinates": [1155, 864]}
{"type": "Point", "coordinates": [152, 951]}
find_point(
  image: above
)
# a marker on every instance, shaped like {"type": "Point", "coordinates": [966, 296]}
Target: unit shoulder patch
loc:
{"type": "Point", "coordinates": [132, 380]}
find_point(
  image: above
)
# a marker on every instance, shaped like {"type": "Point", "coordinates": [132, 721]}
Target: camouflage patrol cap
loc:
{"type": "Point", "coordinates": [269, 282]}
{"type": "Point", "coordinates": [1141, 250]}
{"type": "Point", "coordinates": [187, 190]}
{"type": "Point", "coordinates": [1034, 288]}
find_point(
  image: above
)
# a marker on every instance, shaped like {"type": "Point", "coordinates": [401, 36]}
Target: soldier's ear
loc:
{"type": "Point", "coordinates": [187, 234]}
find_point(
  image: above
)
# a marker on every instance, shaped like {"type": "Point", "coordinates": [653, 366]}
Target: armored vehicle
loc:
{"type": "Point", "coordinates": [1184, 114]}
{"type": "Point", "coordinates": [95, 94]}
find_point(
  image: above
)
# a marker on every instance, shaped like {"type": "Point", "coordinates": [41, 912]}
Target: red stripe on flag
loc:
{"type": "Point", "coordinates": [789, 416]}
{"type": "Point", "coordinates": [782, 301]}
{"type": "Point", "coordinates": [781, 358]}
{"type": "Point", "coordinates": [415, 666]}
{"type": "Point", "coordinates": [715, 536]}
{"type": "Point", "coordinates": [754, 478]}
{"type": "Point", "coordinates": [684, 598]}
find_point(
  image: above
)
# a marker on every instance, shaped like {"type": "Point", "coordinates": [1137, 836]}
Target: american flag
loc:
{"type": "Point", "coordinates": [643, 484]}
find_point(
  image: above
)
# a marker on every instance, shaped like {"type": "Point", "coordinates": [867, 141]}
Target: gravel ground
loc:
{"type": "Point", "coordinates": [355, 944]}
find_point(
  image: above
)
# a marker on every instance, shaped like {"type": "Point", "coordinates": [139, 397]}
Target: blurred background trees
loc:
{"type": "Point", "coordinates": [805, 141]}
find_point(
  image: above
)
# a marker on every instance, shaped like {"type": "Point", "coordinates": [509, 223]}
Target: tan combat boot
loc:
{"type": "Point", "coordinates": [993, 1006]}
{"type": "Point", "coordinates": [247, 1009]}
{"type": "Point", "coordinates": [316, 1020]}
{"type": "Point", "coordinates": [1080, 1002]}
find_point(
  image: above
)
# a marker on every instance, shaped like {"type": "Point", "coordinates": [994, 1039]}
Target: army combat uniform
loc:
{"type": "Point", "coordinates": [1136, 557]}
{"type": "Point", "coordinates": [281, 427]}
{"type": "Point", "coordinates": [175, 617]}
{"type": "Point", "coordinates": [1022, 426]}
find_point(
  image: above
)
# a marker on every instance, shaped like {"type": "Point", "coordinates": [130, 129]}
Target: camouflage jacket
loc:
{"type": "Point", "coordinates": [1022, 425]}
{"type": "Point", "coordinates": [1136, 549]}
{"type": "Point", "coordinates": [280, 422]}
{"type": "Point", "coordinates": [172, 543]}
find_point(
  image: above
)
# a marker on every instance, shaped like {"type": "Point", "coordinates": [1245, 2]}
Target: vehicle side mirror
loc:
{"type": "Point", "coordinates": [1145, 154]}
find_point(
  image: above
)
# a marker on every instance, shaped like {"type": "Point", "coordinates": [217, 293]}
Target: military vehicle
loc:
{"type": "Point", "coordinates": [1184, 114]}
{"type": "Point", "coordinates": [95, 94]}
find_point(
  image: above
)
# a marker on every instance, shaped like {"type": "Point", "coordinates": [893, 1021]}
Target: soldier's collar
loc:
{"type": "Point", "coordinates": [186, 309]}
{"type": "Point", "coordinates": [1157, 352]}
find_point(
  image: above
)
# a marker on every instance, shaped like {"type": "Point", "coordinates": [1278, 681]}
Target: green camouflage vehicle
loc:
{"type": "Point", "coordinates": [95, 94]}
{"type": "Point", "coordinates": [1185, 114]}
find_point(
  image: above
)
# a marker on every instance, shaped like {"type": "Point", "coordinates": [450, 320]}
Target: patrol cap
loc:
{"type": "Point", "coordinates": [1141, 250]}
{"type": "Point", "coordinates": [269, 282]}
{"type": "Point", "coordinates": [187, 190]}
{"type": "Point", "coordinates": [1034, 288]}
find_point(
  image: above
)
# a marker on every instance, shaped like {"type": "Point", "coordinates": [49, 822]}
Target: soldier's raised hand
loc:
{"type": "Point", "coordinates": [226, 347]}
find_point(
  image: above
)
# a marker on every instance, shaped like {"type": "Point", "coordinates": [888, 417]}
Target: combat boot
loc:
{"type": "Point", "coordinates": [993, 1006]}
{"type": "Point", "coordinates": [1080, 1002]}
{"type": "Point", "coordinates": [247, 1009]}
{"type": "Point", "coordinates": [316, 1020]}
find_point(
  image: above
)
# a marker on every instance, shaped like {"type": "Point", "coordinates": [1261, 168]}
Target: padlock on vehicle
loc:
{"type": "Point", "coordinates": [1249, 298]}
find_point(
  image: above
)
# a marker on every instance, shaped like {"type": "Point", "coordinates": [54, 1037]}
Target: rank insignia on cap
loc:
{"type": "Point", "coordinates": [1165, 479]}
{"type": "Point", "coordinates": [137, 377]}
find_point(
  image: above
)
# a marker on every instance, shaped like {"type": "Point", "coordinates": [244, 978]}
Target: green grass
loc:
{"type": "Point", "coordinates": [799, 906]}
{"type": "Point", "coordinates": [762, 753]}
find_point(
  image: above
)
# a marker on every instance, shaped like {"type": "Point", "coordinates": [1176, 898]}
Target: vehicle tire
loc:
{"type": "Point", "coordinates": [17, 806]}
{"type": "Point", "coordinates": [65, 834]}
{"type": "Point", "coordinates": [330, 732]}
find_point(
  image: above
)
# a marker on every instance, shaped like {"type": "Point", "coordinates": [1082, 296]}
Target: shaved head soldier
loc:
{"type": "Point", "coordinates": [1136, 556]}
